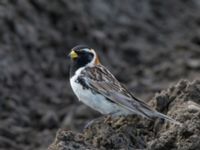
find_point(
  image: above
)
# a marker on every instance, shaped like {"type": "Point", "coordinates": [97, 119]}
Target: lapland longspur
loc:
{"type": "Point", "coordinates": [98, 88]}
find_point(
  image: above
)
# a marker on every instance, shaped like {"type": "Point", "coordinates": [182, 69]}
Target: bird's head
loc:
{"type": "Point", "coordinates": [82, 56]}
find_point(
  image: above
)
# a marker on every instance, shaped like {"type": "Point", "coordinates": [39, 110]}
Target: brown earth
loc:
{"type": "Point", "coordinates": [148, 44]}
{"type": "Point", "coordinates": [181, 101]}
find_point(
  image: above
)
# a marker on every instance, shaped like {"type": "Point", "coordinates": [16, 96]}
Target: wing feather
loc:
{"type": "Point", "coordinates": [102, 81]}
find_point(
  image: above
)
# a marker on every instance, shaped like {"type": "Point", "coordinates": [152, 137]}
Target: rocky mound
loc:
{"type": "Point", "coordinates": [181, 101]}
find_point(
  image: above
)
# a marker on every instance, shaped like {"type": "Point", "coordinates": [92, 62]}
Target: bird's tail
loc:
{"type": "Point", "coordinates": [167, 118]}
{"type": "Point", "coordinates": [139, 107]}
{"type": "Point", "coordinates": [153, 113]}
{"type": "Point", "coordinates": [148, 112]}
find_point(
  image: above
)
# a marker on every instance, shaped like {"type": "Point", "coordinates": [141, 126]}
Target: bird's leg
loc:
{"type": "Point", "coordinates": [111, 116]}
{"type": "Point", "coordinates": [107, 119]}
{"type": "Point", "coordinates": [91, 122]}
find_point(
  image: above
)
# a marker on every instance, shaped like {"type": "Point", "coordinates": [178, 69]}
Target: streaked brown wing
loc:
{"type": "Point", "coordinates": [102, 81]}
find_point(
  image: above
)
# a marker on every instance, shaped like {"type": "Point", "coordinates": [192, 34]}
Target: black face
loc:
{"type": "Point", "coordinates": [84, 56]}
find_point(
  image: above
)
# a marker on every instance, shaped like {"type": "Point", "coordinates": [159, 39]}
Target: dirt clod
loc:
{"type": "Point", "coordinates": [133, 132]}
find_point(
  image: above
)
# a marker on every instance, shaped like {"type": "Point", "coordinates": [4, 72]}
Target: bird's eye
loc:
{"type": "Point", "coordinates": [81, 52]}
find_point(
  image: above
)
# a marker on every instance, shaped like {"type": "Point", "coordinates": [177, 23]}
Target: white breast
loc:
{"type": "Point", "coordinates": [97, 101]}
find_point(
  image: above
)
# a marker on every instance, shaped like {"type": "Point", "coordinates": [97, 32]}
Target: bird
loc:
{"type": "Point", "coordinates": [97, 87]}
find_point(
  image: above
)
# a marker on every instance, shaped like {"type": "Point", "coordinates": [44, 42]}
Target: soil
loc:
{"type": "Point", "coordinates": [181, 101]}
{"type": "Point", "coordinates": [149, 45]}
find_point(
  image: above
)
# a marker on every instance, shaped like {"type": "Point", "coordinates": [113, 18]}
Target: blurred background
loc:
{"type": "Point", "coordinates": [147, 44]}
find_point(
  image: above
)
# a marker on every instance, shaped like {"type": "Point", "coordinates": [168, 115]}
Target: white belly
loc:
{"type": "Point", "coordinates": [97, 101]}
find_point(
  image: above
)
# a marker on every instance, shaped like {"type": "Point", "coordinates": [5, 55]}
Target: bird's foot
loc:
{"type": "Point", "coordinates": [107, 119]}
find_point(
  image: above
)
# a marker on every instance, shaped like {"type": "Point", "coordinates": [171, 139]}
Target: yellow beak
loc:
{"type": "Point", "coordinates": [73, 54]}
